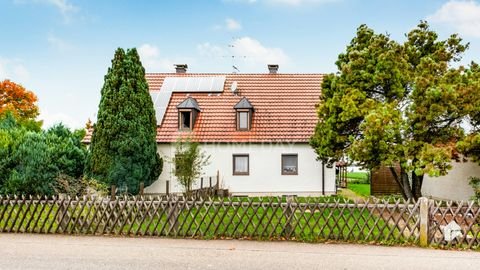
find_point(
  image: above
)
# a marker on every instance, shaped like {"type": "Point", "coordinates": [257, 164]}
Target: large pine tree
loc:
{"type": "Point", "coordinates": [396, 103]}
{"type": "Point", "coordinates": [123, 149]}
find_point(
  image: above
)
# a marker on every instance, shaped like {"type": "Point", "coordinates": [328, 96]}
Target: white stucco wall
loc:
{"type": "Point", "coordinates": [265, 176]}
{"type": "Point", "coordinates": [454, 185]}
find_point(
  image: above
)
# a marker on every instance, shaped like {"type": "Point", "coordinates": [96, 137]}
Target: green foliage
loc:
{"type": "Point", "coordinates": [475, 183]}
{"type": "Point", "coordinates": [393, 103]}
{"type": "Point", "coordinates": [34, 162]}
{"type": "Point", "coordinates": [189, 161]}
{"type": "Point", "coordinates": [123, 149]}
{"type": "Point", "coordinates": [470, 145]}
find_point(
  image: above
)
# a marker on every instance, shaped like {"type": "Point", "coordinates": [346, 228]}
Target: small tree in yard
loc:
{"type": "Point", "coordinates": [123, 149]}
{"type": "Point", "coordinates": [188, 163]}
{"type": "Point", "coordinates": [396, 104]}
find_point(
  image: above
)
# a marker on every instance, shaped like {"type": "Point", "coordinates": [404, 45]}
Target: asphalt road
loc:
{"type": "Point", "coordinates": [24, 251]}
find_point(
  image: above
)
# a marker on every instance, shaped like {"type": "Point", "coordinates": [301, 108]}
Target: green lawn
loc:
{"type": "Point", "coordinates": [360, 189]}
{"type": "Point", "coordinates": [314, 219]}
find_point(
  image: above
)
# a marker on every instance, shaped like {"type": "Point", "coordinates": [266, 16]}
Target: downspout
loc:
{"type": "Point", "coordinates": [323, 177]}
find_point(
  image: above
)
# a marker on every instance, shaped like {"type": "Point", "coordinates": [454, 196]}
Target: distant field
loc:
{"type": "Point", "coordinates": [361, 176]}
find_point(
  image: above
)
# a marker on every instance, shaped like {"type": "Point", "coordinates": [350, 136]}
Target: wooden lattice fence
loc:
{"type": "Point", "coordinates": [465, 213]}
{"type": "Point", "coordinates": [304, 219]}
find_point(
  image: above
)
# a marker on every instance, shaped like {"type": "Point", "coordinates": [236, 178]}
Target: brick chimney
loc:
{"type": "Point", "coordinates": [181, 68]}
{"type": "Point", "coordinates": [273, 69]}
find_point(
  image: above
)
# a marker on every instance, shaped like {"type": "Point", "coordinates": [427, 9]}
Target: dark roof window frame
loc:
{"type": "Point", "coordinates": [284, 156]}
{"type": "Point", "coordinates": [190, 106]}
{"type": "Point", "coordinates": [234, 169]}
{"type": "Point", "coordinates": [242, 107]}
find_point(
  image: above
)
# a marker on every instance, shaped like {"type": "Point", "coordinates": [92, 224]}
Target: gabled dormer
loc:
{"type": "Point", "coordinates": [187, 113]}
{"type": "Point", "coordinates": [244, 114]}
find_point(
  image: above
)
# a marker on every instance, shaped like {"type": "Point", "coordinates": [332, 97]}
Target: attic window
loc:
{"type": "Point", "coordinates": [243, 120]}
{"type": "Point", "coordinates": [185, 120]}
{"type": "Point", "coordinates": [187, 113]}
{"type": "Point", "coordinates": [244, 111]}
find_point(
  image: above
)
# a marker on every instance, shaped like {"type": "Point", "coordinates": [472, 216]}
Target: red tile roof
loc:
{"type": "Point", "coordinates": [285, 108]}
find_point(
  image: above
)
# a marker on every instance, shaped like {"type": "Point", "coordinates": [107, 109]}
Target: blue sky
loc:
{"type": "Point", "coordinates": [61, 49]}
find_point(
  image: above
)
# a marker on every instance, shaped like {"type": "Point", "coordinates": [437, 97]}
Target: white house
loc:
{"type": "Point", "coordinates": [453, 186]}
{"type": "Point", "coordinates": [255, 127]}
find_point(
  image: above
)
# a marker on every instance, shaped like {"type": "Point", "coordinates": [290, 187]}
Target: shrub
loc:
{"type": "Point", "coordinates": [475, 183]}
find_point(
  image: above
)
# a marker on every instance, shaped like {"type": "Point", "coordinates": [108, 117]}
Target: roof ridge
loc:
{"type": "Point", "coordinates": [232, 74]}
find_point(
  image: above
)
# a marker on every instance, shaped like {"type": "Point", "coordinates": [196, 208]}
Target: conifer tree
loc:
{"type": "Point", "coordinates": [393, 104]}
{"type": "Point", "coordinates": [123, 148]}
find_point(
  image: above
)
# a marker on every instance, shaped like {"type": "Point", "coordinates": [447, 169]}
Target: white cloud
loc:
{"type": "Point", "coordinates": [248, 53]}
{"type": "Point", "coordinates": [254, 51]}
{"type": "Point", "coordinates": [151, 59]}
{"type": "Point", "coordinates": [232, 25]}
{"type": "Point", "coordinates": [58, 43]}
{"type": "Point", "coordinates": [461, 15]}
{"type": "Point", "coordinates": [14, 70]}
{"type": "Point", "coordinates": [299, 2]}
{"type": "Point", "coordinates": [242, 1]}
{"type": "Point", "coordinates": [50, 119]}
{"type": "Point", "coordinates": [148, 51]}
{"type": "Point", "coordinates": [285, 2]}
{"type": "Point", "coordinates": [65, 7]}
{"type": "Point", "coordinates": [229, 25]}
{"type": "Point", "coordinates": [211, 51]}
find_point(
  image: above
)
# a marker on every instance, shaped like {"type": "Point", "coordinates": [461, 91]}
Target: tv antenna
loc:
{"type": "Point", "coordinates": [234, 56]}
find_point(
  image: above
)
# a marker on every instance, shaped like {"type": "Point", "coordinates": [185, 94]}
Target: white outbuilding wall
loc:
{"type": "Point", "coordinates": [265, 174]}
{"type": "Point", "coordinates": [454, 185]}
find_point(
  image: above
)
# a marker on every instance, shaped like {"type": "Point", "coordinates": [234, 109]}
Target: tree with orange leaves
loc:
{"type": "Point", "coordinates": [16, 99]}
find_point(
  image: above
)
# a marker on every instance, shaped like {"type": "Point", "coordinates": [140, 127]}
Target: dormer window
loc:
{"type": "Point", "coordinates": [244, 111]}
{"type": "Point", "coordinates": [185, 121]}
{"type": "Point", "coordinates": [243, 122]}
{"type": "Point", "coordinates": [187, 113]}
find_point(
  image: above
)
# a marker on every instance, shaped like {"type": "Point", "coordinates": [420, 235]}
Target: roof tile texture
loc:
{"type": "Point", "coordinates": [284, 104]}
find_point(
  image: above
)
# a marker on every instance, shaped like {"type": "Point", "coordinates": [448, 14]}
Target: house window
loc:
{"type": "Point", "coordinates": [241, 164]}
{"type": "Point", "coordinates": [243, 120]}
{"type": "Point", "coordinates": [290, 164]}
{"type": "Point", "coordinates": [244, 114]}
{"type": "Point", "coordinates": [185, 120]}
{"type": "Point", "coordinates": [187, 113]}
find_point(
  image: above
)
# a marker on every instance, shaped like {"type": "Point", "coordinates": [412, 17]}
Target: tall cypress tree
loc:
{"type": "Point", "coordinates": [123, 149]}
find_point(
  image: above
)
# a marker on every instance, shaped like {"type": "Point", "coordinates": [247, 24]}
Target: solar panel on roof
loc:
{"type": "Point", "coordinates": [183, 84]}
{"type": "Point", "coordinates": [154, 95]}
{"type": "Point", "coordinates": [194, 84]}
{"type": "Point", "coordinates": [161, 105]}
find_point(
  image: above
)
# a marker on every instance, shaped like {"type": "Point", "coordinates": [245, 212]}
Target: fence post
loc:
{"type": "Point", "coordinates": [201, 182]}
{"type": "Point", "coordinates": [167, 187]}
{"type": "Point", "coordinates": [113, 192]}
{"type": "Point", "coordinates": [210, 179]}
{"type": "Point", "coordinates": [424, 209]}
{"type": "Point", "coordinates": [288, 217]}
{"type": "Point", "coordinates": [142, 187]}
